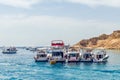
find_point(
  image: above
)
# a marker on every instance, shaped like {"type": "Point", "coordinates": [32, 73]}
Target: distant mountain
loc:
{"type": "Point", "coordinates": [111, 41]}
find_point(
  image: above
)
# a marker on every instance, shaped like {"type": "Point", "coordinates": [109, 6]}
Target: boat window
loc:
{"type": "Point", "coordinates": [8, 49]}
{"type": "Point", "coordinates": [41, 55]}
{"type": "Point", "coordinates": [100, 56]}
{"type": "Point", "coordinates": [57, 54]}
{"type": "Point", "coordinates": [87, 55]}
{"type": "Point", "coordinates": [72, 55]}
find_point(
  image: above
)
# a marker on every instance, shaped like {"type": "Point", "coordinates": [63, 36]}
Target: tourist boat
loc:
{"type": "Point", "coordinates": [32, 49]}
{"type": "Point", "coordinates": [87, 56]}
{"type": "Point", "coordinates": [73, 56]}
{"type": "Point", "coordinates": [10, 50]}
{"type": "Point", "coordinates": [57, 56]}
{"type": "Point", "coordinates": [100, 56]}
{"type": "Point", "coordinates": [41, 56]}
{"type": "Point", "coordinates": [57, 51]}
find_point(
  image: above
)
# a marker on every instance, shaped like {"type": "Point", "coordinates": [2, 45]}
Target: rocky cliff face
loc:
{"type": "Point", "coordinates": [111, 41]}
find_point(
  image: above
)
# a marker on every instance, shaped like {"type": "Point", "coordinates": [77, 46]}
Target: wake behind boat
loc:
{"type": "Point", "coordinates": [10, 50]}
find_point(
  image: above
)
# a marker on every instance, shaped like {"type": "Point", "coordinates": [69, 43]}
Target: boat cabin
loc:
{"type": "Point", "coordinates": [41, 55]}
{"type": "Point", "coordinates": [57, 54]}
{"type": "Point", "coordinates": [73, 56]}
{"type": "Point", "coordinates": [86, 57]}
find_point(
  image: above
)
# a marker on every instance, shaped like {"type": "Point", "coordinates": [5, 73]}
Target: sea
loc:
{"type": "Point", "coordinates": [21, 66]}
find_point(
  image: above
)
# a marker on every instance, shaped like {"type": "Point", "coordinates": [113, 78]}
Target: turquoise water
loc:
{"type": "Point", "coordinates": [21, 66]}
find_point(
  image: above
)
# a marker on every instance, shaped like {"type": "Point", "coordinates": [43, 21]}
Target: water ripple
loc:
{"type": "Point", "coordinates": [21, 66]}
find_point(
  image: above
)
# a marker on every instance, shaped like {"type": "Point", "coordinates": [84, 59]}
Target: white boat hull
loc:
{"type": "Point", "coordinates": [102, 59]}
{"type": "Point", "coordinates": [41, 59]}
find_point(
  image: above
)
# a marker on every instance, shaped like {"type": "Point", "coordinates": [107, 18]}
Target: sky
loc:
{"type": "Point", "coordinates": [38, 22]}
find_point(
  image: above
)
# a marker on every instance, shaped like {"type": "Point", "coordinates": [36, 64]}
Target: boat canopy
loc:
{"type": "Point", "coordinates": [58, 43]}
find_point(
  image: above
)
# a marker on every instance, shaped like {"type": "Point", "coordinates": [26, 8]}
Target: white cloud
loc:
{"type": "Point", "coordinates": [92, 3]}
{"type": "Point", "coordinates": [29, 3]}
{"type": "Point", "coordinates": [36, 30]}
{"type": "Point", "coordinates": [19, 3]}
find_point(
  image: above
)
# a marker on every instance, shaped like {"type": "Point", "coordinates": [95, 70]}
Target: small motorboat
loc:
{"type": "Point", "coordinates": [73, 56]}
{"type": "Point", "coordinates": [86, 55]}
{"type": "Point", "coordinates": [41, 56]}
{"type": "Point", "coordinates": [10, 50]}
{"type": "Point", "coordinates": [33, 49]}
{"type": "Point", "coordinates": [100, 56]}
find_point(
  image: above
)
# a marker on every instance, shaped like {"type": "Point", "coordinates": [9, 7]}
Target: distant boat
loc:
{"type": "Point", "coordinates": [27, 48]}
{"type": "Point", "coordinates": [10, 50]}
{"type": "Point", "coordinates": [32, 49]}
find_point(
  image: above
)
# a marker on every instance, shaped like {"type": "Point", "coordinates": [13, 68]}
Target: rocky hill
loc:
{"type": "Point", "coordinates": [111, 41]}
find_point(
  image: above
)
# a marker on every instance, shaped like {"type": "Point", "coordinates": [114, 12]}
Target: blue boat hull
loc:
{"type": "Point", "coordinates": [8, 52]}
